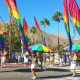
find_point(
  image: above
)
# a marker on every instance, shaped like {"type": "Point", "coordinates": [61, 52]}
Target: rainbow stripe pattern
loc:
{"type": "Point", "coordinates": [75, 14]}
{"type": "Point", "coordinates": [36, 24]}
{"type": "Point", "coordinates": [25, 27]}
{"type": "Point", "coordinates": [14, 11]}
{"type": "Point", "coordinates": [1, 40]}
{"type": "Point", "coordinates": [66, 23]}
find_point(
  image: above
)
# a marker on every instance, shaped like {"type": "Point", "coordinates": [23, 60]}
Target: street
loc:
{"type": "Point", "coordinates": [49, 73]}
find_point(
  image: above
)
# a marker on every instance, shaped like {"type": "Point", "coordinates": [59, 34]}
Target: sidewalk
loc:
{"type": "Point", "coordinates": [14, 64]}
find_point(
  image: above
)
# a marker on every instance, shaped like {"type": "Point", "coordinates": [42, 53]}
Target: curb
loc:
{"type": "Point", "coordinates": [13, 64]}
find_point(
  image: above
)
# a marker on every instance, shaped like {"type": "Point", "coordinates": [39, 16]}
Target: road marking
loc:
{"type": "Point", "coordinates": [66, 72]}
{"type": "Point", "coordinates": [36, 73]}
{"type": "Point", "coordinates": [52, 73]}
{"type": "Point", "coordinates": [19, 74]}
{"type": "Point", "coordinates": [0, 75]}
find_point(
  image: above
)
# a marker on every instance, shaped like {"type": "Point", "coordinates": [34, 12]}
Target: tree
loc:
{"type": "Point", "coordinates": [44, 22]}
{"type": "Point", "coordinates": [33, 30]}
{"type": "Point", "coordinates": [57, 17]}
{"type": "Point", "coordinates": [16, 41]}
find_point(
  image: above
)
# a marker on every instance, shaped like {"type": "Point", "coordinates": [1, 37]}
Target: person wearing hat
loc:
{"type": "Point", "coordinates": [4, 58]}
{"type": "Point", "coordinates": [73, 64]}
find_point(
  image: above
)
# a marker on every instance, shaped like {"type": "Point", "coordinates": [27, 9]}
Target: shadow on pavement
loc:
{"type": "Point", "coordinates": [57, 69]}
{"type": "Point", "coordinates": [56, 76]}
{"type": "Point", "coordinates": [39, 70]}
{"type": "Point", "coordinates": [24, 70]}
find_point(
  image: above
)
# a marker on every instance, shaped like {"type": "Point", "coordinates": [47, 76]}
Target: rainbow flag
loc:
{"type": "Point", "coordinates": [0, 26]}
{"type": "Point", "coordinates": [66, 22]}
{"type": "Point", "coordinates": [25, 27]}
{"type": "Point", "coordinates": [13, 9]}
{"type": "Point", "coordinates": [1, 40]}
{"type": "Point", "coordinates": [36, 24]}
{"type": "Point", "coordinates": [75, 14]}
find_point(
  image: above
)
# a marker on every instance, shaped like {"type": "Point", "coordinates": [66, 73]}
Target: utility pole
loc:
{"type": "Point", "coordinates": [10, 41]}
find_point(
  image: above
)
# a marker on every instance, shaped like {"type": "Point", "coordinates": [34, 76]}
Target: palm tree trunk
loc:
{"type": "Point", "coordinates": [33, 35]}
{"type": "Point", "coordinates": [44, 33]}
{"type": "Point", "coordinates": [10, 42]}
{"type": "Point", "coordinates": [58, 36]}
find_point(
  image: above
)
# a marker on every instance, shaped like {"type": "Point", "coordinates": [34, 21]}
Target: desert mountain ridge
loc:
{"type": "Point", "coordinates": [50, 38]}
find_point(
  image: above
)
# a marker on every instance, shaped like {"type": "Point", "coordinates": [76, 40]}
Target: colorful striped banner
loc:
{"type": "Point", "coordinates": [66, 22]}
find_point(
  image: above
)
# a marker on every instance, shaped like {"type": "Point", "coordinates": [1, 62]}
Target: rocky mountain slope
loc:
{"type": "Point", "coordinates": [50, 38]}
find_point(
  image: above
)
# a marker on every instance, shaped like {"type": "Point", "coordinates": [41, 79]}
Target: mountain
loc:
{"type": "Point", "coordinates": [50, 38]}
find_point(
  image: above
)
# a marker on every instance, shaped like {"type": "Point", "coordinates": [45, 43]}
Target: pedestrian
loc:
{"type": "Point", "coordinates": [78, 58]}
{"type": "Point", "coordinates": [34, 64]}
{"type": "Point", "coordinates": [73, 65]}
{"type": "Point", "coordinates": [69, 59]}
{"type": "Point", "coordinates": [0, 57]}
{"type": "Point", "coordinates": [40, 59]}
{"type": "Point", "coordinates": [19, 57]}
{"type": "Point", "coordinates": [44, 58]}
{"type": "Point", "coordinates": [16, 57]}
{"type": "Point", "coordinates": [60, 59]}
{"type": "Point", "coordinates": [52, 59]}
{"type": "Point", "coordinates": [65, 58]}
{"type": "Point", "coordinates": [4, 54]}
{"type": "Point", "coordinates": [12, 57]}
{"type": "Point", "coordinates": [47, 58]}
{"type": "Point", "coordinates": [26, 58]}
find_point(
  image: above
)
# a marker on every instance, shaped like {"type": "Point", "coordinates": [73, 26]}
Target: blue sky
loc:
{"type": "Point", "coordinates": [40, 9]}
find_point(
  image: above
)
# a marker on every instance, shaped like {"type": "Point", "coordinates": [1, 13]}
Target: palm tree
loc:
{"type": "Point", "coordinates": [57, 17]}
{"type": "Point", "coordinates": [44, 22]}
{"type": "Point", "coordinates": [33, 30]}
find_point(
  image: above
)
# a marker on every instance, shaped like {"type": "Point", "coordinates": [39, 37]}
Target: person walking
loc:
{"type": "Point", "coordinates": [78, 58]}
{"type": "Point", "coordinates": [19, 57]}
{"type": "Point", "coordinates": [65, 58]}
{"type": "Point", "coordinates": [60, 59]}
{"type": "Point", "coordinates": [26, 58]}
{"type": "Point", "coordinates": [4, 54]}
{"type": "Point", "coordinates": [73, 64]}
{"type": "Point", "coordinates": [40, 59]}
{"type": "Point", "coordinates": [47, 58]}
{"type": "Point", "coordinates": [44, 58]}
{"type": "Point", "coordinates": [52, 59]}
{"type": "Point", "coordinates": [16, 57]}
{"type": "Point", "coordinates": [34, 64]}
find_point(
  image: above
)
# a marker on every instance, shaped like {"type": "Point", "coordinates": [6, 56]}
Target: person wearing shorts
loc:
{"type": "Point", "coordinates": [26, 58]}
{"type": "Point", "coordinates": [73, 64]}
{"type": "Point", "coordinates": [51, 59]}
{"type": "Point", "coordinates": [34, 65]}
{"type": "Point", "coordinates": [4, 58]}
{"type": "Point", "coordinates": [47, 58]}
{"type": "Point", "coordinates": [44, 58]}
{"type": "Point", "coordinates": [40, 59]}
{"type": "Point", "coordinates": [60, 59]}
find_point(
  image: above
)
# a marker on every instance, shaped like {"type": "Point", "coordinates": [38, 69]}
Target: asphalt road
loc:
{"type": "Point", "coordinates": [49, 73]}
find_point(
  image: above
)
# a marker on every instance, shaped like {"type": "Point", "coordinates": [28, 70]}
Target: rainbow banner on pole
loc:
{"type": "Point", "coordinates": [0, 26]}
{"type": "Point", "coordinates": [66, 22]}
{"type": "Point", "coordinates": [1, 40]}
{"type": "Point", "coordinates": [36, 24]}
{"type": "Point", "coordinates": [14, 11]}
{"type": "Point", "coordinates": [75, 14]}
{"type": "Point", "coordinates": [25, 27]}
